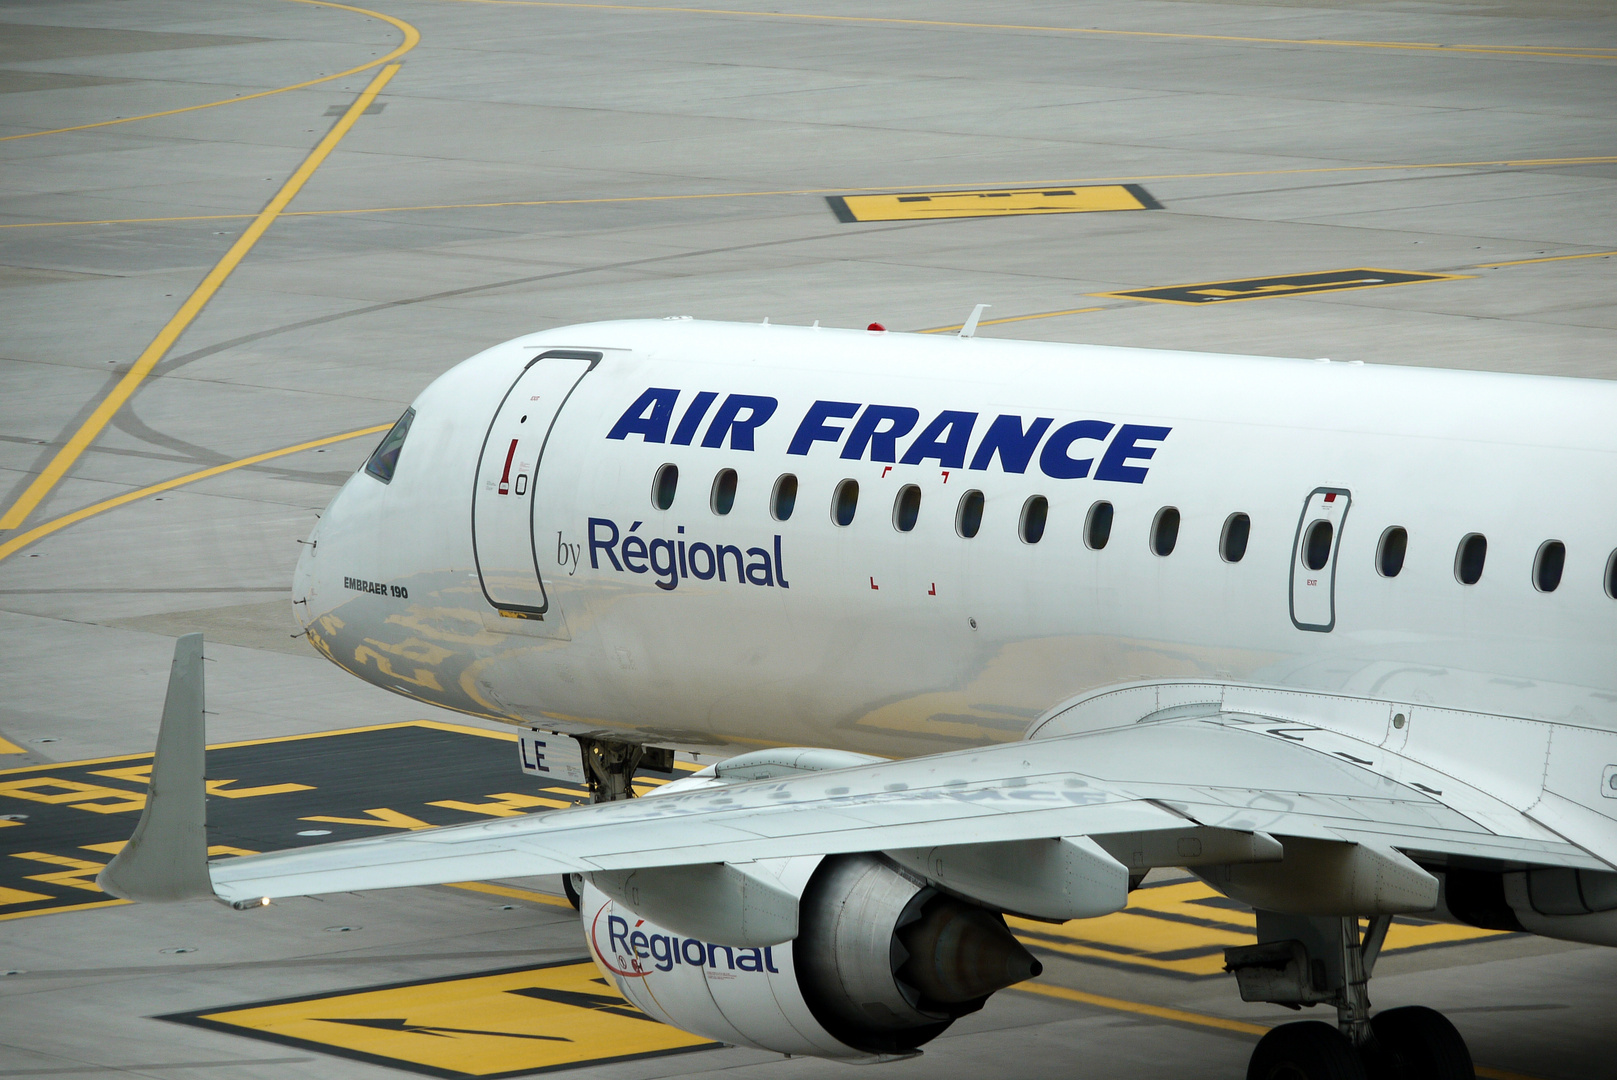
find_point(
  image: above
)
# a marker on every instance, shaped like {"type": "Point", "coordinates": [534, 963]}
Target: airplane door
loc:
{"type": "Point", "coordinates": [1313, 559]}
{"type": "Point", "coordinates": [503, 496]}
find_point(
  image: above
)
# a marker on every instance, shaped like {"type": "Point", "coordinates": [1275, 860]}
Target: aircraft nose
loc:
{"type": "Point", "coordinates": [303, 578]}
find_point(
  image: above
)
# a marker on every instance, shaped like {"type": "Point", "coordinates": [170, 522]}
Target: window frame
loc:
{"type": "Point", "coordinates": [372, 466]}
{"type": "Point", "coordinates": [666, 469]}
{"type": "Point", "coordinates": [1381, 551]}
{"type": "Point", "coordinates": [1224, 536]}
{"type": "Point", "coordinates": [836, 502]}
{"type": "Point", "coordinates": [775, 497]}
{"type": "Point", "coordinates": [898, 508]}
{"type": "Point", "coordinates": [1157, 520]}
{"type": "Point", "coordinates": [1538, 565]}
{"type": "Point", "coordinates": [716, 492]}
{"type": "Point", "coordinates": [1025, 517]}
{"type": "Point", "coordinates": [1089, 524]}
{"type": "Point", "coordinates": [1460, 557]}
{"type": "Point", "coordinates": [960, 514]}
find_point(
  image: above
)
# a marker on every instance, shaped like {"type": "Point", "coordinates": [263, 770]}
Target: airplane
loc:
{"type": "Point", "coordinates": [979, 627]}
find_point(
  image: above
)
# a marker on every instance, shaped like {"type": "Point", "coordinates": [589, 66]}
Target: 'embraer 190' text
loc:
{"type": "Point", "coordinates": [672, 561]}
{"type": "Point", "coordinates": [1096, 449]}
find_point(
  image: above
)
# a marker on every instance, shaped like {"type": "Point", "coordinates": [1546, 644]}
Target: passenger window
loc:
{"type": "Point", "coordinates": [1034, 512]}
{"type": "Point", "coordinates": [1232, 543]}
{"type": "Point", "coordinates": [385, 458]}
{"type": "Point", "coordinates": [1469, 559]}
{"type": "Point", "coordinates": [1165, 531]}
{"type": "Point", "coordinates": [1611, 575]}
{"type": "Point", "coordinates": [845, 502]}
{"type": "Point", "coordinates": [906, 508]}
{"type": "Point", "coordinates": [1548, 564]}
{"type": "Point", "coordinates": [724, 491]}
{"type": "Point", "coordinates": [784, 499]}
{"type": "Point", "coordinates": [663, 487]}
{"type": "Point", "coordinates": [969, 517]}
{"type": "Point", "coordinates": [1317, 545]}
{"type": "Point", "coordinates": [1098, 526]}
{"type": "Point", "coordinates": [1390, 551]}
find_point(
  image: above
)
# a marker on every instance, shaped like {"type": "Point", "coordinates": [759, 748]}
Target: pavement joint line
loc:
{"type": "Point", "coordinates": [412, 37]}
{"type": "Point", "coordinates": [1519, 163]}
{"type": "Point", "coordinates": [189, 310]}
{"type": "Point", "coordinates": [1184, 1016]}
{"type": "Point", "coordinates": [17, 543]}
{"type": "Point", "coordinates": [1556, 51]}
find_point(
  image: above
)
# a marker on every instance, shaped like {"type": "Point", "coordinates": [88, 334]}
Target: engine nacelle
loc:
{"type": "Point", "coordinates": [882, 964]}
{"type": "Point", "coordinates": [1572, 905]}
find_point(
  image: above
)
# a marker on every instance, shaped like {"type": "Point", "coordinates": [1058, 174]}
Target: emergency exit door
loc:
{"type": "Point", "coordinates": [1313, 559]}
{"type": "Point", "coordinates": [503, 499]}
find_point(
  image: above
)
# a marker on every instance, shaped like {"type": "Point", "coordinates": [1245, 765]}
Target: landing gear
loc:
{"type": "Point", "coordinates": [1306, 961]}
{"type": "Point", "coordinates": [609, 766]}
{"type": "Point", "coordinates": [1306, 1050]}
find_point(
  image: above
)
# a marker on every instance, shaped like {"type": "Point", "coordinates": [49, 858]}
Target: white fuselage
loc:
{"type": "Point", "coordinates": [869, 638]}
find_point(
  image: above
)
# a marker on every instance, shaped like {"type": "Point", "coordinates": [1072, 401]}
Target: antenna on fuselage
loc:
{"type": "Point", "coordinates": [971, 324]}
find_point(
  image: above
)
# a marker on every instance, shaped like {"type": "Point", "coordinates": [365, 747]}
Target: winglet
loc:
{"type": "Point", "coordinates": [167, 858]}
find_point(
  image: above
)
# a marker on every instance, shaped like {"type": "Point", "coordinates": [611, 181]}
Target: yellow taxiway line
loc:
{"type": "Point", "coordinates": [1513, 163]}
{"type": "Point", "coordinates": [142, 367]}
{"type": "Point", "coordinates": [412, 37]}
{"type": "Point", "coordinates": [1573, 52]}
{"type": "Point", "coordinates": [17, 543]}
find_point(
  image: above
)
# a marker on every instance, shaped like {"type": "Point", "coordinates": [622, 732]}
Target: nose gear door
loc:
{"type": "Point", "coordinates": [503, 496]}
{"type": "Point", "coordinates": [1313, 559]}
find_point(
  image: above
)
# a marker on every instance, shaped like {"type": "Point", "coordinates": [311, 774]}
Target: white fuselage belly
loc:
{"type": "Point", "coordinates": [900, 643]}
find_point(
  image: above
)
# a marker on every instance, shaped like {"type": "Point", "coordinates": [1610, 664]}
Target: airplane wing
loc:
{"type": "Point", "coordinates": [1208, 767]}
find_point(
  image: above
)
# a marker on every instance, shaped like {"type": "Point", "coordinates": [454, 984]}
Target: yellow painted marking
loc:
{"type": "Point", "coordinates": [9, 747]}
{"type": "Point", "coordinates": [381, 817]}
{"type": "Point", "coordinates": [1237, 290]}
{"type": "Point", "coordinates": [505, 804]}
{"type": "Point", "coordinates": [1172, 928]}
{"type": "Point", "coordinates": [1140, 1008]}
{"type": "Point", "coordinates": [479, 1025]}
{"type": "Point", "coordinates": [223, 789]}
{"type": "Point", "coordinates": [10, 896]}
{"type": "Point", "coordinates": [1520, 163]}
{"type": "Point", "coordinates": [1574, 52]}
{"type": "Point", "coordinates": [73, 793]}
{"type": "Point", "coordinates": [80, 874]}
{"type": "Point", "coordinates": [143, 365]}
{"type": "Point", "coordinates": [62, 910]}
{"type": "Point", "coordinates": [1548, 258]}
{"type": "Point", "coordinates": [512, 894]}
{"type": "Point", "coordinates": [988, 202]}
{"type": "Point", "coordinates": [411, 38]}
{"type": "Point", "coordinates": [439, 725]}
{"type": "Point", "coordinates": [1010, 319]}
{"type": "Point", "coordinates": [22, 540]}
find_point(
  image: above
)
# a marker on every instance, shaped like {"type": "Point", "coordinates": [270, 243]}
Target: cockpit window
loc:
{"type": "Point", "coordinates": [386, 457]}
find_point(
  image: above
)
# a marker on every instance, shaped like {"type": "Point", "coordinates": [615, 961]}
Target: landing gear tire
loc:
{"type": "Point", "coordinates": [1420, 1044]}
{"type": "Point", "coordinates": [1306, 1050]}
{"type": "Point", "coordinates": [571, 890]}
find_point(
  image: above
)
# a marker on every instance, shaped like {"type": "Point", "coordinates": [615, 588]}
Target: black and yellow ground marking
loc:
{"type": "Point", "coordinates": [1182, 928]}
{"type": "Point", "coordinates": [489, 1024]}
{"type": "Point", "coordinates": [59, 824]}
{"type": "Point", "coordinates": [1218, 292]}
{"type": "Point", "coordinates": [990, 202]}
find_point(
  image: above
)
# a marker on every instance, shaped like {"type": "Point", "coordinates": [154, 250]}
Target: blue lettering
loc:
{"type": "Point", "coordinates": [598, 544]}
{"type": "Point", "coordinates": [1014, 446]}
{"type": "Point", "coordinates": [634, 547]}
{"type": "Point", "coordinates": [648, 417]}
{"type": "Point", "coordinates": [617, 933]}
{"type": "Point", "coordinates": [749, 960]}
{"type": "Point", "coordinates": [769, 960]}
{"type": "Point", "coordinates": [814, 428]}
{"type": "Point", "coordinates": [1057, 463]}
{"type": "Point", "coordinates": [758, 571]}
{"type": "Point", "coordinates": [693, 417]}
{"type": "Point", "coordinates": [701, 952]}
{"type": "Point", "coordinates": [882, 441]}
{"type": "Point", "coordinates": [780, 567]}
{"type": "Point", "coordinates": [729, 956]}
{"type": "Point", "coordinates": [730, 549]}
{"type": "Point", "coordinates": [1125, 447]}
{"type": "Point", "coordinates": [699, 572]}
{"type": "Point", "coordinates": [668, 575]}
{"type": "Point", "coordinates": [638, 942]}
{"type": "Point", "coordinates": [728, 420]}
{"type": "Point", "coordinates": [950, 452]}
{"type": "Point", "coordinates": [661, 952]}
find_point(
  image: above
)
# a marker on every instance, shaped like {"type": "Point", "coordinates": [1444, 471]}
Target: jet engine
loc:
{"type": "Point", "coordinates": [881, 964]}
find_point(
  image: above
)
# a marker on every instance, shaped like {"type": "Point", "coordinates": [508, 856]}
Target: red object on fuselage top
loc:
{"type": "Point", "coordinates": [877, 326]}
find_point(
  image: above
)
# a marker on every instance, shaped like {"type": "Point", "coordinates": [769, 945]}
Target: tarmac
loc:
{"type": "Point", "coordinates": [257, 225]}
